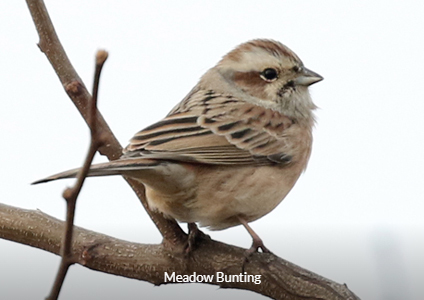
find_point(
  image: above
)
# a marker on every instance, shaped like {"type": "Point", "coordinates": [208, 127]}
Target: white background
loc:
{"type": "Point", "coordinates": [355, 216]}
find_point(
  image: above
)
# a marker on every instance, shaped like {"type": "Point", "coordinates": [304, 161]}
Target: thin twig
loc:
{"type": "Point", "coordinates": [50, 45]}
{"type": "Point", "coordinates": [71, 194]}
{"type": "Point", "coordinates": [283, 279]}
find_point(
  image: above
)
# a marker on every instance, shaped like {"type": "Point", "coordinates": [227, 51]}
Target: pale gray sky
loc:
{"type": "Point", "coordinates": [355, 216]}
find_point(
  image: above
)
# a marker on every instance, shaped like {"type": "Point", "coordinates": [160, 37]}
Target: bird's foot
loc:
{"type": "Point", "coordinates": [257, 243]}
{"type": "Point", "coordinates": [195, 235]}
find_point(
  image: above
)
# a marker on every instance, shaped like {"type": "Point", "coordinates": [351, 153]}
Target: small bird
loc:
{"type": "Point", "coordinates": [233, 148]}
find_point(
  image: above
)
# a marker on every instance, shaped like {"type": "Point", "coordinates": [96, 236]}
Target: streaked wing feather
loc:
{"type": "Point", "coordinates": [214, 129]}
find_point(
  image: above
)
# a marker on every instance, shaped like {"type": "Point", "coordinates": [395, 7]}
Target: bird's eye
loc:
{"type": "Point", "coordinates": [296, 69]}
{"type": "Point", "coordinates": [269, 74]}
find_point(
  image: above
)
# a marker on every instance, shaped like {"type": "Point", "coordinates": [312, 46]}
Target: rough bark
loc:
{"type": "Point", "coordinates": [280, 279]}
{"type": "Point", "coordinates": [50, 45]}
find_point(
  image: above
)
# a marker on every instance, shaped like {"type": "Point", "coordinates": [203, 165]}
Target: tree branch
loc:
{"type": "Point", "coordinates": [49, 44]}
{"type": "Point", "coordinates": [71, 194]}
{"type": "Point", "coordinates": [280, 279]}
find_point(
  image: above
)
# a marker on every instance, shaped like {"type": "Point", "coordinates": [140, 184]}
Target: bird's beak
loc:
{"type": "Point", "coordinates": [307, 77]}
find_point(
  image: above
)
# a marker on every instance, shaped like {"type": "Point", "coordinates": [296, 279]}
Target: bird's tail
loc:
{"type": "Point", "coordinates": [118, 167]}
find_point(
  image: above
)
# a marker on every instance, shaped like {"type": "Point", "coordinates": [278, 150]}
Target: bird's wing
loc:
{"type": "Point", "coordinates": [215, 129]}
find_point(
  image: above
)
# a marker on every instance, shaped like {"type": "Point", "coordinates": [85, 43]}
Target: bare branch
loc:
{"type": "Point", "coordinates": [280, 279]}
{"type": "Point", "coordinates": [49, 44]}
{"type": "Point", "coordinates": [71, 194]}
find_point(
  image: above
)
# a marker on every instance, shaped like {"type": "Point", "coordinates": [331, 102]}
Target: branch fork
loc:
{"type": "Point", "coordinates": [280, 279]}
